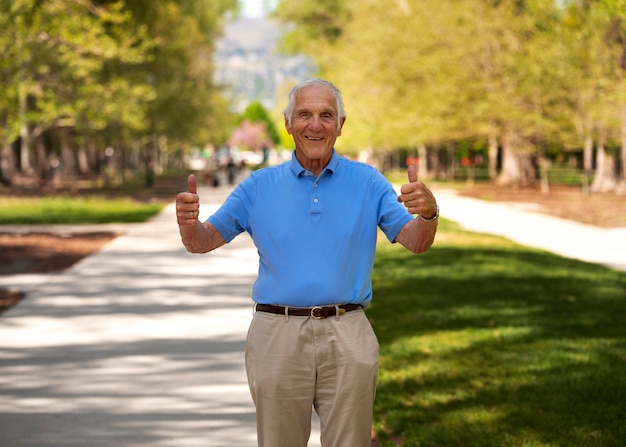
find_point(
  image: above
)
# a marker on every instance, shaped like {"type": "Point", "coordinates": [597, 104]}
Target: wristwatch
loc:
{"type": "Point", "coordinates": [431, 219]}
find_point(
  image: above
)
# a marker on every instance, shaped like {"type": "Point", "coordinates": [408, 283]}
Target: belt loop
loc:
{"type": "Point", "coordinates": [337, 312]}
{"type": "Point", "coordinates": [286, 314]}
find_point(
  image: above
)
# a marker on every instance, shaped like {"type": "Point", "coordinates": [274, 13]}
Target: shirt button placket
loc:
{"type": "Point", "coordinates": [315, 199]}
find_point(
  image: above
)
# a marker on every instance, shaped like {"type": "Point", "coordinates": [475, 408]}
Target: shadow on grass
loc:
{"type": "Point", "coordinates": [499, 347]}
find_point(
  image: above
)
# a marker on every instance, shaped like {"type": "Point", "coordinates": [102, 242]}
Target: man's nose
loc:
{"type": "Point", "coordinates": [316, 123]}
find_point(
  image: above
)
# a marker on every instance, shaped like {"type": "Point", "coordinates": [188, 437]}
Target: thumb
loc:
{"type": "Point", "coordinates": [412, 172]}
{"type": "Point", "coordinates": [191, 184]}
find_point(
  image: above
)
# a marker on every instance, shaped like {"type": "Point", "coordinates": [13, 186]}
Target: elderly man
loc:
{"type": "Point", "coordinates": [314, 221]}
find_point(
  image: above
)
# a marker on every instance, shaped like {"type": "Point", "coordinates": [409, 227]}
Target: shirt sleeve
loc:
{"type": "Point", "coordinates": [231, 219]}
{"type": "Point", "coordinates": [392, 215]}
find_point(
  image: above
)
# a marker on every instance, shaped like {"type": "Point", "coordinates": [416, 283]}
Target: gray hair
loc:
{"type": "Point", "coordinates": [288, 112]}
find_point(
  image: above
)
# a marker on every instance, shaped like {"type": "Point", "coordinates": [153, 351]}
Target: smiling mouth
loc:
{"type": "Point", "coordinates": [314, 139]}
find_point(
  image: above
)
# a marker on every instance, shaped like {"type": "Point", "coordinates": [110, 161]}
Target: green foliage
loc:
{"type": "Point", "coordinates": [485, 343]}
{"type": "Point", "coordinates": [187, 107]}
{"type": "Point", "coordinates": [120, 73]}
{"type": "Point", "coordinates": [524, 75]}
{"type": "Point", "coordinates": [54, 54]}
{"type": "Point", "coordinates": [318, 20]}
{"type": "Point", "coordinates": [256, 113]}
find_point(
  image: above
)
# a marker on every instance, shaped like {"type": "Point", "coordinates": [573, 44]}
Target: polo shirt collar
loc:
{"type": "Point", "coordinates": [297, 168]}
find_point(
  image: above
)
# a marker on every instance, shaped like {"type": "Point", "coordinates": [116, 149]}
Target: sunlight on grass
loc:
{"type": "Point", "coordinates": [486, 343]}
{"type": "Point", "coordinates": [74, 210]}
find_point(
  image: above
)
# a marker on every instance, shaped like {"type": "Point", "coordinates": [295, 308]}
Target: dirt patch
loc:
{"type": "Point", "coordinates": [9, 298]}
{"type": "Point", "coordinates": [43, 253]}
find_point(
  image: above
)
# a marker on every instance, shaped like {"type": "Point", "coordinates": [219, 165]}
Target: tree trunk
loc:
{"type": "Point", "coordinates": [91, 148]}
{"type": "Point", "coordinates": [621, 186]}
{"type": "Point", "coordinates": [24, 134]}
{"type": "Point", "coordinates": [451, 167]}
{"type": "Point", "coordinates": [422, 167]}
{"type": "Point", "coordinates": [444, 163]}
{"type": "Point", "coordinates": [511, 171]}
{"type": "Point", "coordinates": [6, 164]}
{"type": "Point", "coordinates": [544, 166]}
{"type": "Point", "coordinates": [25, 166]}
{"type": "Point", "coordinates": [161, 161]}
{"type": "Point", "coordinates": [68, 165]}
{"type": "Point", "coordinates": [604, 179]}
{"type": "Point", "coordinates": [529, 169]}
{"type": "Point", "coordinates": [148, 160]}
{"type": "Point", "coordinates": [41, 155]}
{"type": "Point", "coordinates": [493, 157]}
{"type": "Point", "coordinates": [83, 160]}
{"type": "Point", "coordinates": [587, 163]}
{"type": "Point", "coordinates": [41, 164]}
{"type": "Point", "coordinates": [433, 162]}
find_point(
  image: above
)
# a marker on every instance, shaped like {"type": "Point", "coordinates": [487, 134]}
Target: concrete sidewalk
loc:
{"type": "Point", "coordinates": [523, 224]}
{"type": "Point", "coordinates": [142, 343]}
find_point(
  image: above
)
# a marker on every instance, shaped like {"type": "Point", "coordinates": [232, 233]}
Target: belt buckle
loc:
{"type": "Point", "coordinates": [316, 317]}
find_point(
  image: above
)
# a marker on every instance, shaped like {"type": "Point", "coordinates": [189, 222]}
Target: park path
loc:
{"type": "Point", "coordinates": [142, 343]}
{"type": "Point", "coordinates": [523, 224]}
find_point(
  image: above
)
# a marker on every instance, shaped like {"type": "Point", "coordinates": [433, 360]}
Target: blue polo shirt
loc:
{"type": "Point", "coordinates": [316, 237]}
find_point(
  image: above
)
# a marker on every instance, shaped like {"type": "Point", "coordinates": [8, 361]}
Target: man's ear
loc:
{"type": "Point", "coordinates": [343, 120]}
{"type": "Point", "coordinates": [287, 126]}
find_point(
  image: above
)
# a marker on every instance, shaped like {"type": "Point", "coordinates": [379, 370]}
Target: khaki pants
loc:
{"type": "Point", "coordinates": [295, 364]}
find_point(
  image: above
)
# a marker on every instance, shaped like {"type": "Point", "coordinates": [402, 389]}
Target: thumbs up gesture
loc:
{"type": "Point", "coordinates": [416, 197]}
{"type": "Point", "coordinates": [188, 204]}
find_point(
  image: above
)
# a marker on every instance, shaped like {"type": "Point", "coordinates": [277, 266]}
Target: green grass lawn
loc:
{"type": "Point", "coordinates": [487, 343]}
{"type": "Point", "coordinates": [72, 210]}
{"type": "Point", "coordinates": [483, 342]}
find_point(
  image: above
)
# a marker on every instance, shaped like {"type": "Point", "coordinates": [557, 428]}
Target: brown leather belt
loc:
{"type": "Point", "coordinates": [317, 312]}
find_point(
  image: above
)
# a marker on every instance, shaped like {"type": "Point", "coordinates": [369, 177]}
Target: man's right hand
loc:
{"type": "Point", "coordinates": [188, 204]}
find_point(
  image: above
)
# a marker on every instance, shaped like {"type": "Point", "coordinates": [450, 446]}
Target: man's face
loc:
{"type": "Point", "coordinates": [314, 125]}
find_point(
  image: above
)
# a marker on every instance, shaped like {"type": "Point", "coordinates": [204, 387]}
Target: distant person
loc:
{"type": "Point", "coordinates": [231, 170]}
{"type": "Point", "coordinates": [314, 221]}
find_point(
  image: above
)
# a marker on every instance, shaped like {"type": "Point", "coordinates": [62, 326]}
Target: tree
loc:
{"type": "Point", "coordinates": [83, 74]}
{"type": "Point", "coordinates": [596, 55]}
{"type": "Point", "coordinates": [256, 113]}
{"type": "Point", "coordinates": [445, 83]}
{"type": "Point", "coordinates": [187, 110]}
{"type": "Point", "coordinates": [520, 77]}
{"type": "Point", "coordinates": [55, 69]}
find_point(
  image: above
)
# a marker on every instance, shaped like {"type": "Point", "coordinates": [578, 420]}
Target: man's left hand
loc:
{"type": "Point", "coordinates": [417, 198]}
